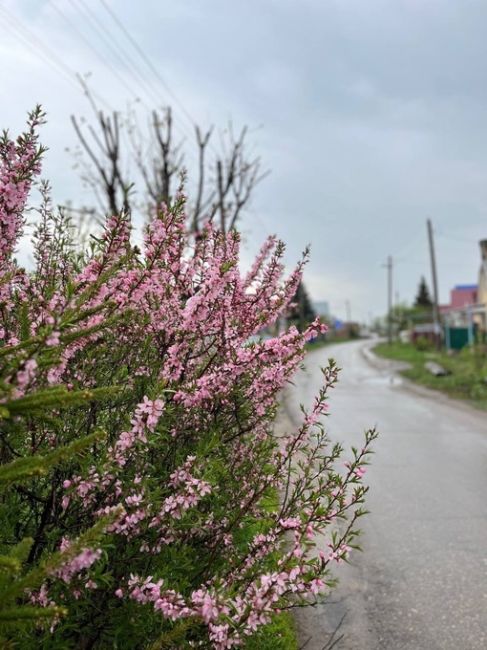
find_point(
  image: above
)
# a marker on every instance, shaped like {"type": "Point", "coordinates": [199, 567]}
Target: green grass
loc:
{"type": "Point", "coordinates": [468, 370]}
{"type": "Point", "coordinates": [280, 634]}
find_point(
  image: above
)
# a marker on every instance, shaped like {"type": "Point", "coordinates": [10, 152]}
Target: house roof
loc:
{"type": "Point", "coordinates": [466, 287]}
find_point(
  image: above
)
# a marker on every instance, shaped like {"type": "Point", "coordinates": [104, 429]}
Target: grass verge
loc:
{"type": "Point", "coordinates": [468, 368]}
{"type": "Point", "coordinates": [279, 634]}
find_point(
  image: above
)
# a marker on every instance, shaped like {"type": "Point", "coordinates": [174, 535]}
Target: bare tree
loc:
{"type": "Point", "coordinates": [237, 176]}
{"type": "Point", "coordinates": [202, 203]}
{"type": "Point", "coordinates": [224, 182]}
{"type": "Point", "coordinates": [104, 150]}
{"type": "Point", "coordinates": [158, 158]}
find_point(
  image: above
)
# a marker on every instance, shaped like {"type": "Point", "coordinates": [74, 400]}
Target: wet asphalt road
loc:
{"type": "Point", "coordinates": [421, 581]}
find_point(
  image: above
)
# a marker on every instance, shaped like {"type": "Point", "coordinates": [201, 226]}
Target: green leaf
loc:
{"type": "Point", "coordinates": [25, 468]}
{"type": "Point", "coordinates": [28, 612]}
{"type": "Point", "coordinates": [58, 399]}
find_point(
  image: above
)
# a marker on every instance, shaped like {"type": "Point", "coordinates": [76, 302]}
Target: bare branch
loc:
{"type": "Point", "coordinates": [223, 186]}
{"type": "Point", "coordinates": [109, 178]}
{"type": "Point", "coordinates": [202, 144]}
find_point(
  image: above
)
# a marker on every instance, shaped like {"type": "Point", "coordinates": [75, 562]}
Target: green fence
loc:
{"type": "Point", "coordinates": [457, 338]}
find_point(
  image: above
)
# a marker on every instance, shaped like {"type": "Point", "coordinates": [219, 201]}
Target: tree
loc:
{"type": "Point", "coordinates": [302, 312]}
{"type": "Point", "coordinates": [423, 298]}
{"type": "Point", "coordinates": [224, 181]}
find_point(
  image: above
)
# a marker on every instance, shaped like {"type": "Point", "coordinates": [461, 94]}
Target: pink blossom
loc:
{"type": "Point", "coordinates": [75, 565]}
{"type": "Point", "coordinates": [359, 472]}
{"type": "Point", "coordinates": [199, 392]}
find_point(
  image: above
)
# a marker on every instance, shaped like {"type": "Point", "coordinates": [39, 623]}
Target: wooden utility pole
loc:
{"type": "Point", "coordinates": [436, 314]}
{"type": "Point", "coordinates": [389, 266]}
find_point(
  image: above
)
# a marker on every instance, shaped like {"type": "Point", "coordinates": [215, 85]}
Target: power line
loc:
{"type": "Point", "coordinates": [436, 315]}
{"type": "Point", "coordinates": [94, 24]}
{"type": "Point", "coordinates": [120, 54]}
{"type": "Point", "coordinates": [140, 76]}
{"type": "Point", "coordinates": [147, 61]}
{"type": "Point", "coordinates": [105, 35]}
{"type": "Point", "coordinates": [35, 44]}
{"type": "Point", "coordinates": [30, 39]}
{"type": "Point", "coordinates": [152, 67]}
{"type": "Point", "coordinates": [91, 47]}
{"type": "Point", "coordinates": [389, 266]}
{"type": "Point", "coordinates": [463, 240]}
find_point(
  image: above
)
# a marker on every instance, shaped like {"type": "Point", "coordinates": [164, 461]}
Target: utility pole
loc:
{"type": "Point", "coordinates": [436, 315]}
{"type": "Point", "coordinates": [389, 266]}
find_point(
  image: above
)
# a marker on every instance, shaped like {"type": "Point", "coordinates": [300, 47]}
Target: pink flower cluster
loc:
{"type": "Point", "coordinates": [190, 457]}
{"type": "Point", "coordinates": [76, 564]}
{"type": "Point", "coordinates": [19, 164]}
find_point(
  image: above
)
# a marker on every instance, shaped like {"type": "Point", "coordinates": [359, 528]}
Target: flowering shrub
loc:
{"type": "Point", "coordinates": [161, 508]}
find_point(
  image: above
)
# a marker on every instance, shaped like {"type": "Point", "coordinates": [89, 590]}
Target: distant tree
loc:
{"type": "Point", "coordinates": [423, 298]}
{"type": "Point", "coordinates": [404, 317]}
{"type": "Point", "coordinates": [302, 313]}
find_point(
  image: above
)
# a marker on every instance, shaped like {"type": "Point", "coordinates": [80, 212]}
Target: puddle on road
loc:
{"type": "Point", "coordinates": [384, 380]}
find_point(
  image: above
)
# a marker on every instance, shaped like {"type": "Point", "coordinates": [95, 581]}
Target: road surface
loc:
{"type": "Point", "coordinates": [421, 581]}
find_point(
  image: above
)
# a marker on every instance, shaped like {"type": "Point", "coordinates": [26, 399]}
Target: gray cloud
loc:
{"type": "Point", "coordinates": [372, 118]}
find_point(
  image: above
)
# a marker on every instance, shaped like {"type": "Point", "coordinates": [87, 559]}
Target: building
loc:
{"type": "Point", "coordinates": [482, 288]}
{"type": "Point", "coordinates": [466, 316]}
{"type": "Point", "coordinates": [322, 309]}
{"type": "Point", "coordinates": [463, 295]}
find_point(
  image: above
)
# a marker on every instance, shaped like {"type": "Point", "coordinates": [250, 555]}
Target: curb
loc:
{"type": "Point", "coordinates": [379, 363]}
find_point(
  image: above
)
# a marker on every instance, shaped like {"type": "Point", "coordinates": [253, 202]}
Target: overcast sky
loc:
{"type": "Point", "coordinates": [371, 115]}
